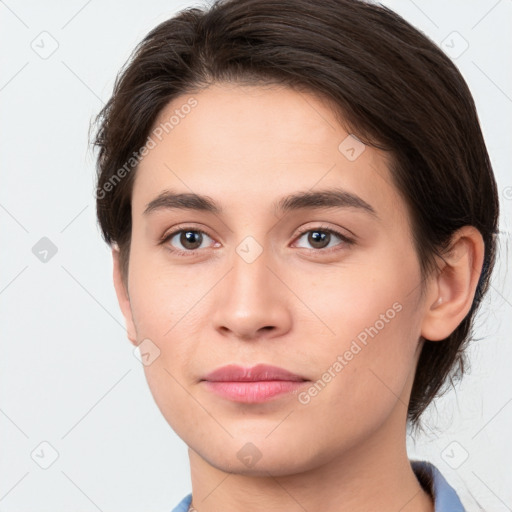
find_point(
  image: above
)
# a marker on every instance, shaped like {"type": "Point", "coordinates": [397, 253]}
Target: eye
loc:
{"type": "Point", "coordinates": [322, 238]}
{"type": "Point", "coordinates": [190, 240]}
{"type": "Point", "coordinates": [186, 241]}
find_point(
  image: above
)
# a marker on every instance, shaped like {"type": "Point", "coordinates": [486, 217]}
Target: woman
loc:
{"type": "Point", "coordinates": [302, 215]}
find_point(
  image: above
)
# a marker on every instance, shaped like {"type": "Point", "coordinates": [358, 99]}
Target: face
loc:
{"type": "Point", "coordinates": [324, 286]}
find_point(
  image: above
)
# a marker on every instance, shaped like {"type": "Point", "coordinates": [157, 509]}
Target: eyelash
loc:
{"type": "Point", "coordinates": [346, 240]}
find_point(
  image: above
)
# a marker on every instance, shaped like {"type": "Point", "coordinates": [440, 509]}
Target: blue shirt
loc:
{"type": "Point", "coordinates": [444, 496]}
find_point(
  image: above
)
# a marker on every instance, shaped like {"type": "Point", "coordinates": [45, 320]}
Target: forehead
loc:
{"type": "Point", "coordinates": [254, 145]}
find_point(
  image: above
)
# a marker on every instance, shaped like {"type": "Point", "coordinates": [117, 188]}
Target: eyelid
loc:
{"type": "Point", "coordinates": [178, 228]}
{"type": "Point", "coordinates": [321, 227]}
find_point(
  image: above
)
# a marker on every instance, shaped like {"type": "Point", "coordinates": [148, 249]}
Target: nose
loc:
{"type": "Point", "coordinates": [252, 300]}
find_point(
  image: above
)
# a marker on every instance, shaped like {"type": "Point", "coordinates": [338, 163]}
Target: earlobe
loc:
{"type": "Point", "coordinates": [123, 297]}
{"type": "Point", "coordinates": [454, 286]}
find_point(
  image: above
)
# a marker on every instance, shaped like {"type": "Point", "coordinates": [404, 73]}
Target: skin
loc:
{"type": "Point", "coordinates": [297, 305]}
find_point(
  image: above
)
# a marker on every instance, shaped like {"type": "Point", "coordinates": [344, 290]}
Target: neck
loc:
{"type": "Point", "coordinates": [374, 475]}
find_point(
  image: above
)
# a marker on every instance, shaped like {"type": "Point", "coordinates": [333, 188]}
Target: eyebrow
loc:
{"type": "Point", "coordinates": [328, 198]}
{"type": "Point", "coordinates": [183, 201]}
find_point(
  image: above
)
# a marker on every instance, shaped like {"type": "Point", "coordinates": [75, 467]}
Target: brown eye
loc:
{"type": "Point", "coordinates": [186, 240]}
{"type": "Point", "coordinates": [323, 239]}
{"type": "Point", "coordinates": [190, 239]}
{"type": "Point", "coordinates": [319, 239]}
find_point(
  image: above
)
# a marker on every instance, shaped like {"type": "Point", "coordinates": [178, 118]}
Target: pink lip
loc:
{"type": "Point", "coordinates": [257, 384]}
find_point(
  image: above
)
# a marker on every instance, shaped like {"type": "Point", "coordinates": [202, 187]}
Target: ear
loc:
{"type": "Point", "coordinates": [123, 297]}
{"type": "Point", "coordinates": [453, 288]}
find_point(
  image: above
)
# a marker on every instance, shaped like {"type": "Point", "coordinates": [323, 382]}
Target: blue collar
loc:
{"type": "Point", "coordinates": [183, 504]}
{"type": "Point", "coordinates": [444, 496]}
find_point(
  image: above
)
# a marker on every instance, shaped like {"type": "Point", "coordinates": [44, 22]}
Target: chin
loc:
{"type": "Point", "coordinates": [259, 458]}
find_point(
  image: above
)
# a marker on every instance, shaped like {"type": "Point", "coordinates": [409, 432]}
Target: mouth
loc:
{"type": "Point", "coordinates": [252, 385]}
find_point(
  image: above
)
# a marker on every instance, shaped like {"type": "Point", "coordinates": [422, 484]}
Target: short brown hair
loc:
{"type": "Point", "coordinates": [391, 86]}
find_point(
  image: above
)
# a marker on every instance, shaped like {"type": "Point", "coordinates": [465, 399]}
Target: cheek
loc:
{"type": "Point", "coordinates": [365, 300]}
{"type": "Point", "coordinates": [361, 377]}
{"type": "Point", "coordinates": [370, 325]}
{"type": "Point", "coordinates": [163, 297]}
{"type": "Point", "coordinates": [165, 311]}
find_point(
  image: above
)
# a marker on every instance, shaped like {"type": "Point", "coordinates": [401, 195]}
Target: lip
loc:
{"type": "Point", "coordinates": [260, 372]}
{"type": "Point", "coordinates": [252, 385]}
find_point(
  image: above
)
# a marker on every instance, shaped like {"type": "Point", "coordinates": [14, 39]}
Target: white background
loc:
{"type": "Point", "coordinates": [68, 373]}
